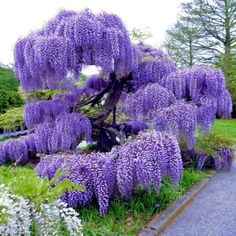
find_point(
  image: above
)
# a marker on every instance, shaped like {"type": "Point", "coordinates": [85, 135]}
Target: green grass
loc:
{"type": "Point", "coordinates": [226, 127]}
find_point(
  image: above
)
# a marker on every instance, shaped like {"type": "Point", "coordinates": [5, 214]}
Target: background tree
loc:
{"type": "Point", "coordinates": [140, 35]}
{"type": "Point", "coordinates": [212, 37]}
{"type": "Point", "coordinates": [9, 95]}
{"type": "Point", "coordinates": [218, 22]}
{"type": "Point", "coordinates": [181, 42]}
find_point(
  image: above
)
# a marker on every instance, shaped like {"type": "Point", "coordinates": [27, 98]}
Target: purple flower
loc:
{"type": "Point", "coordinates": [201, 159]}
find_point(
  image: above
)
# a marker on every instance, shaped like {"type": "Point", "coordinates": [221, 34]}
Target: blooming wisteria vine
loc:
{"type": "Point", "coordinates": [137, 77]}
{"type": "Point", "coordinates": [144, 161]}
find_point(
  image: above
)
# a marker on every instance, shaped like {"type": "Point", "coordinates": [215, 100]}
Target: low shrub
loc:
{"type": "Point", "coordinates": [12, 119]}
{"type": "Point", "coordinates": [214, 151]}
{"type": "Point", "coordinates": [29, 203]}
{"type": "Point", "coordinates": [9, 99]}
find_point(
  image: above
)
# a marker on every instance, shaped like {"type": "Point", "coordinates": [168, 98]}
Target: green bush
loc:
{"type": "Point", "coordinates": [208, 144]}
{"type": "Point", "coordinates": [9, 99]}
{"type": "Point", "coordinates": [7, 80]}
{"type": "Point", "coordinates": [43, 94]}
{"type": "Point", "coordinates": [12, 119]}
{"type": "Point", "coordinates": [9, 95]}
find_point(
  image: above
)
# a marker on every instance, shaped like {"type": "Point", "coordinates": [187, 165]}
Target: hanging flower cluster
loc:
{"type": "Point", "coordinates": [17, 151]}
{"type": "Point", "coordinates": [146, 101]}
{"type": "Point", "coordinates": [180, 119]}
{"type": "Point", "coordinates": [53, 57]}
{"type": "Point", "coordinates": [223, 159]}
{"type": "Point", "coordinates": [41, 111]}
{"type": "Point", "coordinates": [153, 66]}
{"type": "Point", "coordinates": [93, 85]}
{"type": "Point", "coordinates": [63, 133]}
{"type": "Point", "coordinates": [199, 83]}
{"type": "Point", "coordinates": [142, 161]}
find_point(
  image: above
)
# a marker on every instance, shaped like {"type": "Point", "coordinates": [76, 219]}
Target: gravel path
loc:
{"type": "Point", "coordinates": [213, 212]}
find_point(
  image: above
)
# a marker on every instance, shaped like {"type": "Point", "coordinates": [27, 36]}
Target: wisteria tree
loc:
{"type": "Point", "coordinates": [136, 79]}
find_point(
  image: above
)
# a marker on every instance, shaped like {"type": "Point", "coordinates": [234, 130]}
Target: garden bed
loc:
{"type": "Point", "coordinates": [126, 217]}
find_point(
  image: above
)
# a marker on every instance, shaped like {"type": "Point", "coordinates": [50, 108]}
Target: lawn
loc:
{"type": "Point", "coordinates": [226, 127]}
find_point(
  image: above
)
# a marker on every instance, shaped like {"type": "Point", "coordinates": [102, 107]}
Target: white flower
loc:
{"type": "Point", "coordinates": [20, 214]}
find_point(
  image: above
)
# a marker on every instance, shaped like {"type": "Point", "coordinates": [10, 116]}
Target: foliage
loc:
{"type": "Point", "coordinates": [208, 144]}
{"type": "Point", "coordinates": [12, 119]}
{"type": "Point", "coordinates": [182, 40]}
{"type": "Point", "coordinates": [158, 156]}
{"type": "Point", "coordinates": [7, 80]}
{"type": "Point", "coordinates": [9, 96]}
{"type": "Point", "coordinates": [140, 35]}
{"type": "Point", "coordinates": [43, 94]}
{"type": "Point", "coordinates": [9, 99]}
{"type": "Point", "coordinates": [37, 200]}
{"type": "Point", "coordinates": [36, 190]}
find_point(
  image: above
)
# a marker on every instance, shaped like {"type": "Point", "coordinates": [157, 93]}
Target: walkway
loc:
{"type": "Point", "coordinates": [212, 213]}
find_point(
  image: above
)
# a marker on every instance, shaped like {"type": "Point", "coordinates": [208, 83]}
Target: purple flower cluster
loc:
{"type": "Point", "coordinates": [53, 57]}
{"type": "Point", "coordinates": [201, 159]}
{"type": "Point", "coordinates": [153, 66]}
{"type": "Point", "coordinates": [146, 101]}
{"type": "Point", "coordinates": [223, 158]}
{"type": "Point", "coordinates": [17, 150]}
{"type": "Point", "coordinates": [95, 171]}
{"type": "Point", "coordinates": [93, 85]}
{"type": "Point", "coordinates": [198, 84]}
{"type": "Point", "coordinates": [179, 119]}
{"type": "Point", "coordinates": [62, 134]}
{"type": "Point", "coordinates": [40, 111]}
{"type": "Point", "coordinates": [143, 161]}
{"type": "Point", "coordinates": [206, 113]}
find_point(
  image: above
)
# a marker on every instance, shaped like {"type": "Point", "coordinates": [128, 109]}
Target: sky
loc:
{"type": "Point", "coordinates": [19, 17]}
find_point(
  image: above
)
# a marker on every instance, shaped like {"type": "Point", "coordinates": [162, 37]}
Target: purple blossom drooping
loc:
{"type": "Point", "coordinates": [15, 151]}
{"type": "Point", "coordinates": [223, 158]}
{"type": "Point", "coordinates": [201, 159]}
{"type": "Point", "coordinates": [146, 101]}
{"type": "Point", "coordinates": [180, 119]}
{"type": "Point", "coordinates": [93, 85]}
{"type": "Point", "coordinates": [152, 67]}
{"type": "Point", "coordinates": [41, 111]}
{"type": "Point", "coordinates": [62, 134]}
{"type": "Point", "coordinates": [144, 161]}
{"type": "Point", "coordinates": [44, 59]}
{"type": "Point", "coordinates": [3, 157]}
